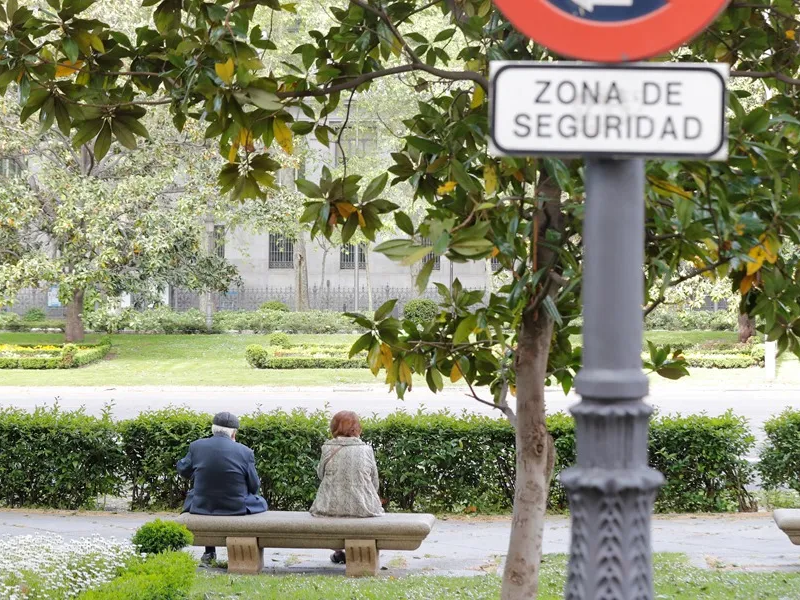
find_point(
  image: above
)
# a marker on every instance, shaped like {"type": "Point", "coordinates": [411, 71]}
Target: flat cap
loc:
{"type": "Point", "coordinates": [226, 419]}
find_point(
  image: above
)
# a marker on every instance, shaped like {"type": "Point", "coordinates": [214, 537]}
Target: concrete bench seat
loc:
{"type": "Point", "coordinates": [246, 536]}
{"type": "Point", "coordinates": [788, 521]}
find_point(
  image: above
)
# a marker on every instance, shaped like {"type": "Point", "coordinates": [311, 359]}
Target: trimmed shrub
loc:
{"type": "Point", "coordinates": [153, 443]}
{"type": "Point", "coordinates": [268, 321]}
{"type": "Point", "coordinates": [160, 536]}
{"type": "Point", "coordinates": [779, 464]}
{"type": "Point", "coordinates": [703, 460]}
{"type": "Point", "coordinates": [274, 305]}
{"type": "Point", "coordinates": [108, 320]}
{"type": "Point", "coordinates": [167, 576]}
{"type": "Point", "coordinates": [35, 314]}
{"type": "Point", "coordinates": [57, 459]}
{"type": "Point", "coordinates": [438, 462]}
{"type": "Point", "coordinates": [15, 323]}
{"type": "Point", "coordinates": [668, 319]}
{"type": "Point", "coordinates": [66, 357]}
{"type": "Point", "coordinates": [727, 361]}
{"type": "Point", "coordinates": [421, 311]}
{"type": "Point", "coordinates": [165, 320]}
{"type": "Point", "coordinates": [262, 361]}
{"type": "Point", "coordinates": [280, 339]}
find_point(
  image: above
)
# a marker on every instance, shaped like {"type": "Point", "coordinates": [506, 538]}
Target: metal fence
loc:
{"type": "Point", "coordinates": [328, 297]}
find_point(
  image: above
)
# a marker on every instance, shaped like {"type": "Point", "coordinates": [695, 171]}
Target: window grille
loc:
{"type": "Point", "coordinates": [495, 263]}
{"type": "Point", "coordinates": [281, 252]}
{"type": "Point", "coordinates": [219, 240]}
{"type": "Point", "coordinates": [437, 260]}
{"type": "Point", "coordinates": [347, 257]}
{"type": "Point", "coordinates": [10, 168]}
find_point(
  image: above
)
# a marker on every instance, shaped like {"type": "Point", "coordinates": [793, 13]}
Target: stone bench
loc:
{"type": "Point", "coordinates": [788, 521]}
{"type": "Point", "coordinates": [246, 536]}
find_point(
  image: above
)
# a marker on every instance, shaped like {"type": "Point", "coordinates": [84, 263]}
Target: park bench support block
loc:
{"type": "Point", "coordinates": [244, 556]}
{"type": "Point", "coordinates": [363, 558]}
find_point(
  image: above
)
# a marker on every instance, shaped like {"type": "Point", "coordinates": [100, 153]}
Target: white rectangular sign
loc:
{"type": "Point", "coordinates": [659, 110]}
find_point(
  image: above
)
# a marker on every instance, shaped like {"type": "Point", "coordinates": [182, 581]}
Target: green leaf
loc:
{"type": "Point", "coordinates": [375, 187]}
{"type": "Point", "coordinates": [463, 178]}
{"type": "Point", "coordinates": [87, 130]}
{"type": "Point", "coordinates": [123, 134]}
{"type": "Point", "coordinates": [302, 127]}
{"type": "Point", "coordinates": [756, 121]}
{"type": "Point", "coordinates": [416, 255]}
{"type": "Point", "coordinates": [167, 16]}
{"type": "Point", "coordinates": [103, 142]}
{"type": "Point", "coordinates": [552, 310]}
{"type": "Point", "coordinates": [385, 310]}
{"type": "Point", "coordinates": [424, 145]}
{"type": "Point", "coordinates": [464, 329]}
{"type": "Point", "coordinates": [70, 48]}
{"type": "Point", "coordinates": [134, 125]}
{"type": "Point", "coordinates": [62, 118]}
{"type": "Point", "coordinates": [404, 222]}
{"type": "Point", "coordinates": [362, 343]}
{"type": "Point", "coordinates": [309, 188]}
{"type": "Point", "coordinates": [264, 99]}
{"type": "Point", "coordinates": [424, 276]}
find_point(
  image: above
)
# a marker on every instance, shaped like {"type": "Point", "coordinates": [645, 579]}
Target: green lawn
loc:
{"type": "Point", "coordinates": [203, 360]}
{"type": "Point", "coordinates": [675, 579]}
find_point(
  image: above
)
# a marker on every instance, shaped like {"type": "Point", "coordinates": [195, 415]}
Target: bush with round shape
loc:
{"type": "Point", "coordinates": [421, 311]}
{"type": "Point", "coordinates": [160, 536]}
{"type": "Point", "coordinates": [35, 314]}
{"type": "Point", "coordinates": [274, 305]}
{"type": "Point", "coordinates": [280, 339]}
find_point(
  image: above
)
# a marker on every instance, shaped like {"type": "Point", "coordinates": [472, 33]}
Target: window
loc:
{"type": "Point", "coordinates": [287, 176]}
{"type": "Point", "coordinates": [281, 252]}
{"type": "Point", "coordinates": [347, 257]}
{"type": "Point", "coordinates": [495, 263]}
{"type": "Point", "coordinates": [10, 167]}
{"type": "Point", "coordinates": [437, 260]}
{"type": "Point", "coordinates": [360, 139]}
{"type": "Point", "coordinates": [219, 240]}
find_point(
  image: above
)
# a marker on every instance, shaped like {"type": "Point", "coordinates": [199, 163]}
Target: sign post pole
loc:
{"type": "Point", "coordinates": [611, 489]}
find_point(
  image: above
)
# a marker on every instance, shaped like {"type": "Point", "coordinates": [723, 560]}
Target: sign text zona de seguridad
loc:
{"type": "Point", "coordinates": [550, 108]}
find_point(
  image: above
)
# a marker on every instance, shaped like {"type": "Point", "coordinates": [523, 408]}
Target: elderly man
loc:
{"type": "Point", "coordinates": [224, 475]}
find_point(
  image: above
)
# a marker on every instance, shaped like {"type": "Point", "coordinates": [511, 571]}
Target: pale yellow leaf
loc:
{"type": "Point", "coordinates": [477, 97]}
{"type": "Point", "coordinates": [225, 70]}
{"type": "Point", "coordinates": [790, 34]}
{"type": "Point", "coordinates": [283, 135]}
{"type": "Point", "coordinates": [490, 179]}
{"type": "Point", "coordinates": [455, 373]}
{"type": "Point", "coordinates": [68, 68]}
{"type": "Point", "coordinates": [446, 187]}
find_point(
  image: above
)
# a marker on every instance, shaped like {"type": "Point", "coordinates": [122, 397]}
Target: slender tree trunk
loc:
{"type": "Point", "coordinates": [747, 328]}
{"type": "Point", "coordinates": [74, 331]}
{"type": "Point", "coordinates": [206, 299]}
{"type": "Point", "coordinates": [535, 461]}
{"type": "Point", "coordinates": [300, 274]}
{"type": "Point", "coordinates": [325, 251]}
{"type": "Point", "coordinates": [489, 277]}
{"type": "Point", "coordinates": [368, 270]}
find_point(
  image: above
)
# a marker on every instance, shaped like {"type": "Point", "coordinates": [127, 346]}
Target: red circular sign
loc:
{"type": "Point", "coordinates": [611, 30]}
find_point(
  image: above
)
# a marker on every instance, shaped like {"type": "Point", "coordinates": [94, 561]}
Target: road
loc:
{"type": "Point", "coordinates": [756, 405]}
{"type": "Point", "coordinates": [472, 546]}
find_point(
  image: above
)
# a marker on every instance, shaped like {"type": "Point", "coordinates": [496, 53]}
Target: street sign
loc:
{"type": "Point", "coordinates": [656, 110]}
{"type": "Point", "coordinates": [611, 30]}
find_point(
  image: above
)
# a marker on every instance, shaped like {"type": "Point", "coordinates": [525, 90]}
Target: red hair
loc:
{"type": "Point", "coordinates": [345, 424]}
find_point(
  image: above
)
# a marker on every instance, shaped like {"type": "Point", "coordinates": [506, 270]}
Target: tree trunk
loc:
{"type": "Point", "coordinates": [535, 461]}
{"type": "Point", "coordinates": [747, 328]}
{"type": "Point", "coordinates": [325, 251]}
{"type": "Point", "coordinates": [489, 277]}
{"type": "Point", "coordinates": [368, 270]}
{"type": "Point", "coordinates": [74, 331]}
{"type": "Point", "coordinates": [300, 274]}
{"type": "Point", "coordinates": [206, 299]}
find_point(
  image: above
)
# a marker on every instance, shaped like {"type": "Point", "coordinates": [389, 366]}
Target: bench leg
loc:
{"type": "Point", "coordinates": [363, 558]}
{"type": "Point", "coordinates": [244, 556]}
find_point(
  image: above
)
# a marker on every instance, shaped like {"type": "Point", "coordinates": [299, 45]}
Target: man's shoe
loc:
{"type": "Point", "coordinates": [339, 557]}
{"type": "Point", "coordinates": [208, 558]}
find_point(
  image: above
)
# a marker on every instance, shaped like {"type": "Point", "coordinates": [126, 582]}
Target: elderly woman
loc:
{"type": "Point", "coordinates": [348, 474]}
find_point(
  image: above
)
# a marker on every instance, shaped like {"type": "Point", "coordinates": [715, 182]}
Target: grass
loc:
{"type": "Point", "coordinates": [675, 579]}
{"type": "Point", "coordinates": [218, 360]}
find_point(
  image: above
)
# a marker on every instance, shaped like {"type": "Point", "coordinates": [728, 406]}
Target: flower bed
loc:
{"type": "Point", "coordinates": [303, 357]}
{"type": "Point", "coordinates": [50, 567]}
{"type": "Point", "coordinates": [58, 356]}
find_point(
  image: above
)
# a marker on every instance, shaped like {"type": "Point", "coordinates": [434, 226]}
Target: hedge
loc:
{"type": "Point", "coordinates": [70, 356]}
{"type": "Point", "coordinates": [57, 459]}
{"type": "Point", "coordinates": [260, 358]}
{"type": "Point", "coordinates": [167, 576]}
{"type": "Point", "coordinates": [779, 464]}
{"type": "Point", "coordinates": [428, 462]}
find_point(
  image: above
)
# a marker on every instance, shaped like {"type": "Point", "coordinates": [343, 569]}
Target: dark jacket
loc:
{"type": "Point", "coordinates": [224, 477]}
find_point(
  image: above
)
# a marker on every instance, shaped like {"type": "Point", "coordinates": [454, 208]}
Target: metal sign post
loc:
{"type": "Point", "coordinates": [613, 116]}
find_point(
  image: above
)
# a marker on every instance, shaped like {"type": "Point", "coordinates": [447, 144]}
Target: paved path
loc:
{"type": "Point", "coordinates": [756, 405]}
{"type": "Point", "coordinates": [473, 546]}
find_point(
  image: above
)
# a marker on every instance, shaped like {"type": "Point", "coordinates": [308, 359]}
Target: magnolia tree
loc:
{"type": "Point", "coordinates": [206, 62]}
{"type": "Point", "coordinates": [101, 221]}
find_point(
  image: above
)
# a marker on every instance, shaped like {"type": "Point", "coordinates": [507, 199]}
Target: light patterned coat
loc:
{"type": "Point", "coordinates": [349, 480]}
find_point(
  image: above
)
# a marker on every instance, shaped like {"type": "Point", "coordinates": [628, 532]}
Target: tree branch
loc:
{"type": "Point", "coordinates": [691, 275]}
{"type": "Point", "coordinates": [766, 75]}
